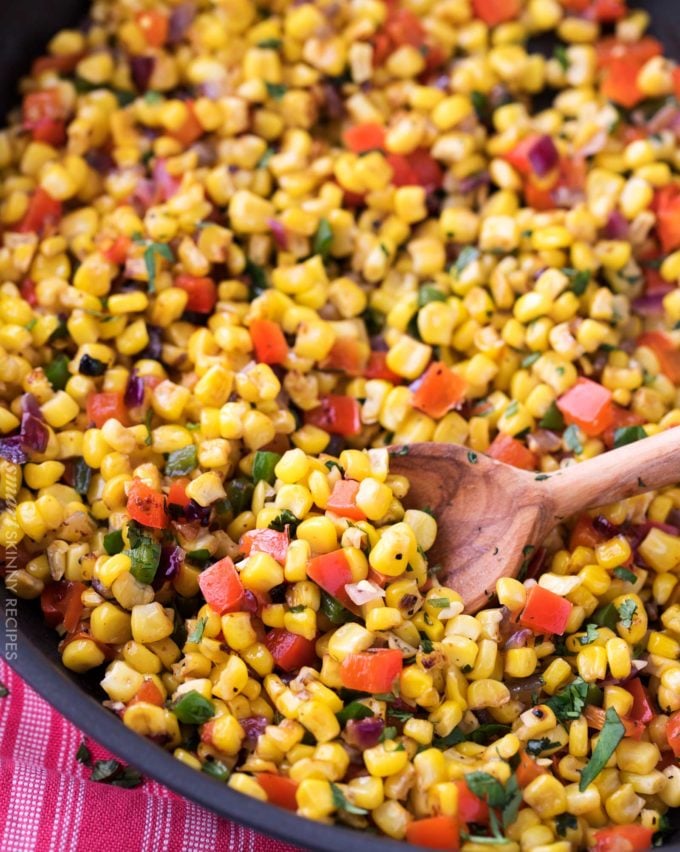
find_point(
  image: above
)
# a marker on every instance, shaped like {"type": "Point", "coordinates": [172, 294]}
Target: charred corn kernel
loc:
{"type": "Point", "coordinates": [637, 756]}
{"type": "Point", "coordinates": [660, 550]}
{"type": "Point", "coordinates": [261, 573]}
{"type": "Point", "coordinates": [110, 625]}
{"type": "Point", "coordinates": [393, 550]}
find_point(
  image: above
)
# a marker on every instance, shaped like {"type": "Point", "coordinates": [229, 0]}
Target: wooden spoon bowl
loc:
{"type": "Point", "coordinates": [492, 516]}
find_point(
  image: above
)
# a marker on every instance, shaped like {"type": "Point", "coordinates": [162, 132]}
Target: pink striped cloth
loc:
{"type": "Point", "coordinates": [47, 803]}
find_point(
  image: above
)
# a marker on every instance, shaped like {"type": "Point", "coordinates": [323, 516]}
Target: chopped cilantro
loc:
{"type": "Point", "coordinates": [627, 612]}
{"type": "Point", "coordinates": [197, 633]}
{"type": "Point", "coordinates": [610, 736]}
{"type": "Point", "coordinates": [276, 90]}
{"type": "Point", "coordinates": [572, 439]}
{"type": "Point", "coordinates": [341, 803]}
{"type": "Point", "coordinates": [323, 239]}
{"type": "Point", "coordinates": [625, 574]}
{"type": "Point", "coordinates": [628, 435]}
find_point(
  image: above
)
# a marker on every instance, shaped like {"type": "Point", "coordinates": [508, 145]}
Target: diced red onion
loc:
{"type": "Point", "coordinates": [134, 392]}
{"type": "Point", "coordinates": [101, 161]}
{"type": "Point", "coordinates": [524, 687]}
{"type": "Point", "coordinates": [166, 184]}
{"type": "Point", "coordinates": [333, 102]}
{"type": "Point", "coordinates": [650, 304]}
{"type": "Point", "coordinates": [666, 117]}
{"type": "Point", "coordinates": [194, 512]}
{"type": "Point", "coordinates": [364, 733]}
{"type": "Point", "coordinates": [473, 182]}
{"type": "Point", "coordinates": [145, 193]}
{"type": "Point", "coordinates": [604, 526]}
{"type": "Point", "coordinates": [12, 450]}
{"type": "Point", "coordinates": [616, 227]}
{"type": "Point", "coordinates": [33, 429]}
{"type": "Point", "coordinates": [543, 156]}
{"type": "Point", "coordinates": [180, 20]}
{"type": "Point", "coordinates": [544, 441]}
{"type": "Point", "coordinates": [279, 233]}
{"type": "Point", "coordinates": [141, 69]}
{"type": "Point", "coordinates": [154, 348]}
{"type": "Point", "coordinates": [519, 639]}
{"type": "Point", "coordinates": [171, 561]}
{"type": "Point", "coordinates": [254, 726]}
{"type": "Point", "coordinates": [594, 145]}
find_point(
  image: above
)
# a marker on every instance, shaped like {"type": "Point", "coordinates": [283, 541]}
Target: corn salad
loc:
{"type": "Point", "coordinates": [245, 248]}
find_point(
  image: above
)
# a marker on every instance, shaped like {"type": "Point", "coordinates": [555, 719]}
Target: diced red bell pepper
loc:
{"type": "Point", "coordinates": [348, 355]}
{"type": "Point", "coordinates": [191, 130]}
{"type": "Point", "coordinates": [332, 572]}
{"type": "Point", "coordinates": [596, 717]}
{"type": "Point", "coordinates": [584, 534]}
{"type": "Point", "coordinates": [339, 415]}
{"type": "Point", "coordinates": [518, 157]}
{"type": "Point", "coordinates": [371, 671]}
{"type": "Point", "coordinates": [116, 251]}
{"type": "Point", "coordinates": [177, 495]}
{"type": "Point", "coordinates": [642, 709]}
{"type": "Point", "coordinates": [439, 390]}
{"type": "Point", "coordinates": [437, 832]}
{"type": "Point", "coordinates": [623, 838]}
{"type": "Point", "coordinates": [147, 506]}
{"type": "Point", "coordinates": [377, 368]}
{"type": "Point", "coordinates": [494, 12]}
{"type": "Point", "coordinates": [620, 83]}
{"type": "Point", "coordinates": [588, 405]}
{"type": "Point", "coordinates": [149, 693]}
{"type": "Point", "coordinates": [279, 789]}
{"type": "Point", "coordinates": [289, 650]}
{"type": "Point", "coordinates": [545, 612]}
{"type": "Point", "coordinates": [528, 769]}
{"type": "Point", "coordinates": [418, 168]}
{"type": "Point", "coordinates": [106, 406]}
{"type": "Point", "coordinates": [666, 352]}
{"type": "Point", "coordinates": [343, 500]}
{"type": "Point", "coordinates": [273, 542]}
{"type": "Point", "coordinates": [28, 292]}
{"type": "Point", "coordinates": [62, 64]}
{"type": "Point", "coordinates": [222, 587]}
{"type": "Point", "coordinates": [201, 291]}
{"type": "Point", "coordinates": [43, 212]}
{"type": "Point", "coordinates": [43, 115]}
{"type": "Point", "coordinates": [666, 205]}
{"type": "Point", "coordinates": [507, 449]}
{"type": "Point", "coordinates": [676, 82]}
{"type": "Point", "coordinates": [404, 27]}
{"type": "Point", "coordinates": [607, 11]}
{"type": "Point", "coordinates": [673, 732]}
{"type": "Point", "coordinates": [364, 137]}
{"type": "Point", "coordinates": [470, 807]}
{"type": "Point", "coordinates": [268, 341]}
{"type": "Point", "coordinates": [61, 604]}
{"type": "Point", "coordinates": [155, 27]}
{"type": "Point", "coordinates": [611, 48]}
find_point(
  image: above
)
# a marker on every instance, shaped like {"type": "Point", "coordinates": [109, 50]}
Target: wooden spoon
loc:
{"type": "Point", "coordinates": [491, 516]}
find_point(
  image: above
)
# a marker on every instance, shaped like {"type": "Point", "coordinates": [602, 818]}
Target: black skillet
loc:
{"type": "Point", "coordinates": [25, 27]}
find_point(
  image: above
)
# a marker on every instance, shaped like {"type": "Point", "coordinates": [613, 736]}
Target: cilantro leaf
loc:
{"type": "Point", "coordinates": [341, 802]}
{"type": "Point", "coordinates": [388, 733]}
{"type": "Point", "coordinates": [538, 746]}
{"type": "Point", "coordinates": [564, 823]}
{"type": "Point", "coordinates": [552, 419]}
{"type": "Point", "coordinates": [569, 702]}
{"type": "Point", "coordinates": [323, 239]}
{"type": "Point", "coordinates": [625, 574]}
{"type": "Point", "coordinates": [591, 635]}
{"type": "Point", "coordinates": [628, 435]}
{"type": "Point", "coordinates": [578, 280]}
{"type": "Point", "coordinates": [610, 736]}
{"type": "Point", "coordinates": [627, 612]}
{"type": "Point", "coordinates": [572, 439]}
{"type": "Point", "coordinates": [428, 294]}
{"type": "Point", "coordinates": [84, 755]}
{"type": "Point", "coordinates": [487, 787]}
{"type": "Point", "coordinates": [467, 256]}
{"type": "Point", "coordinates": [276, 90]}
{"type": "Point", "coordinates": [115, 773]}
{"type": "Point", "coordinates": [197, 633]}
{"type": "Point", "coordinates": [353, 710]}
{"type": "Point", "coordinates": [285, 519]}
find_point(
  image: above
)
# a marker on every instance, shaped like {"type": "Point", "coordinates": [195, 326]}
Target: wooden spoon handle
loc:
{"type": "Point", "coordinates": [634, 469]}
